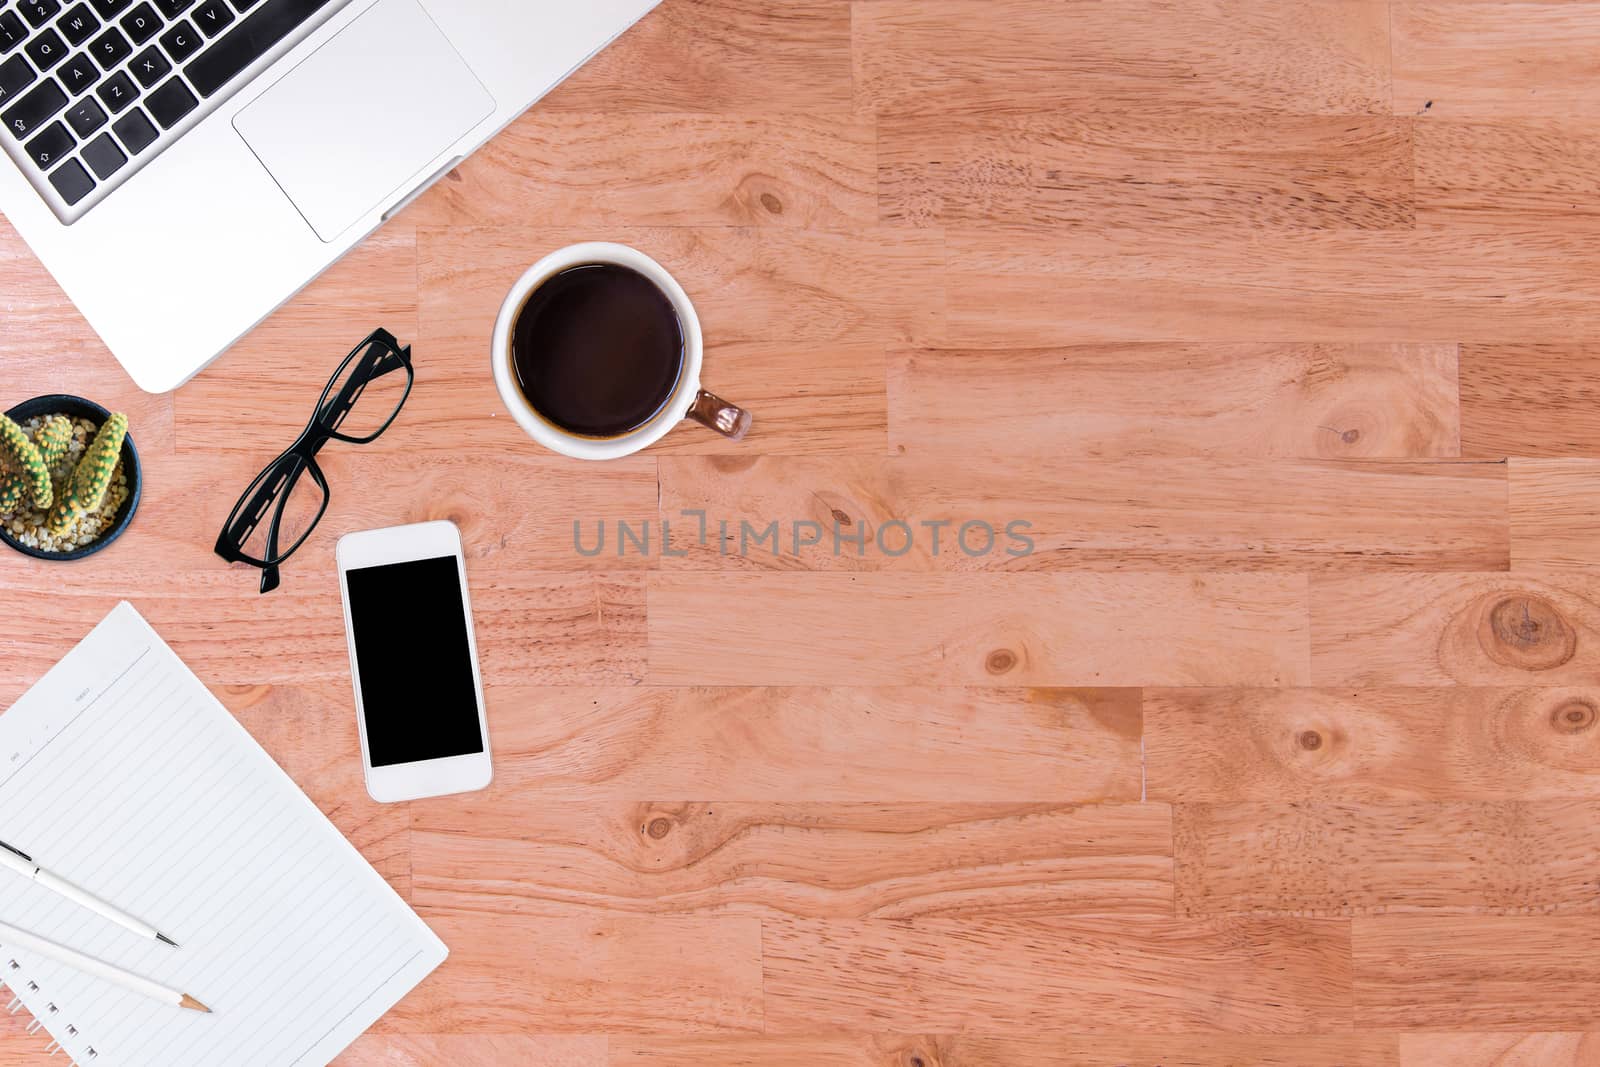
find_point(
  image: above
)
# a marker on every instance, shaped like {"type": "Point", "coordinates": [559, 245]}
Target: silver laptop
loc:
{"type": "Point", "coordinates": [184, 166]}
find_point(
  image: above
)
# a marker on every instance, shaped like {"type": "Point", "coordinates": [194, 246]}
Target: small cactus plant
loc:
{"type": "Point", "coordinates": [52, 439]}
{"type": "Point", "coordinates": [82, 483]}
{"type": "Point", "coordinates": [30, 474]}
{"type": "Point", "coordinates": [13, 488]}
{"type": "Point", "coordinates": [87, 487]}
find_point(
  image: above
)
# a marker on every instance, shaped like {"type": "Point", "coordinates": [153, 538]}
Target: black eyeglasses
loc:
{"type": "Point", "coordinates": [359, 402]}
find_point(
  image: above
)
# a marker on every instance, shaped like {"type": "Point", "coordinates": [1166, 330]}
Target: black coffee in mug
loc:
{"type": "Point", "coordinates": [597, 349]}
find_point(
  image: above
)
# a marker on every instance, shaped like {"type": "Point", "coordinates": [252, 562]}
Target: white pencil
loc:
{"type": "Point", "coordinates": [10, 935]}
{"type": "Point", "coordinates": [19, 861]}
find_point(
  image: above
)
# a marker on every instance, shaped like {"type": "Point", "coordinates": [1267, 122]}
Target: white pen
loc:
{"type": "Point", "coordinates": [22, 863]}
{"type": "Point", "coordinates": [10, 935]}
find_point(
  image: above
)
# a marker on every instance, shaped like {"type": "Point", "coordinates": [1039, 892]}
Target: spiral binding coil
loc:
{"type": "Point", "coordinates": [36, 1023]}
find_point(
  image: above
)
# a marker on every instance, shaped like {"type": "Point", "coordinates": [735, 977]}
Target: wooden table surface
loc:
{"type": "Point", "coordinates": [1274, 319]}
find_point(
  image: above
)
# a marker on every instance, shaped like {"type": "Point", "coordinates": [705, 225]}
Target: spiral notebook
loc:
{"type": "Point", "coordinates": [121, 772]}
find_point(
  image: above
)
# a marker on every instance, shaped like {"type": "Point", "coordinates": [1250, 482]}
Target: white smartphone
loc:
{"type": "Point", "coordinates": [414, 661]}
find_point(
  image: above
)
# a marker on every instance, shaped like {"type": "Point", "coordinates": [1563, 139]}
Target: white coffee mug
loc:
{"type": "Point", "coordinates": [688, 399]}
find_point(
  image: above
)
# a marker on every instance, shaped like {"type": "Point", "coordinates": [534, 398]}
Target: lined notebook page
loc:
{"type": "Point", "coordinates": [120, 772]}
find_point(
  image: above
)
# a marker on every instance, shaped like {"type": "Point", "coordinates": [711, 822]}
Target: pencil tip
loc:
{"type": "Point", "coordinates": [163, 937]}
{"type": "Point", "coordinates": [190, 1002]}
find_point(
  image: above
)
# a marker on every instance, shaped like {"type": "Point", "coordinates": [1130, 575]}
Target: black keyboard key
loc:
{"type": "Point", "coordinates": [212, 16]}
{"type": "Point", "coordinates": [40, 12]}
{"type": "Point", "coordinates": [79, 74]}
{"type": "Point", "coordinates": [15, 76]}
{"type": "Point", "coordinates": [118, 91]}
{"type": "Point", "coordinates": [181, 42]}
{"type": "Point", "coordinates": [78, 23]}
{"type": "Point", "coordinates": [141, 23]}
{"type": "Point", "coordinates": [51, 146]}
{"type": "Point", "coordinates": [173, 8]}
{"type": "Point", "coordinates": [256, 34]}
{"type": "Point", "coordinates": [103, 156]}
{"type": "Point", "coordinates": [46, 49]}
{"type": "Point", "coordinates": [110, 8]}
{"type": "Point", "coordinates": [170, 103]}
{"type": "Point", "coordinates": [135, 131]}
{"type": "Point", "coordinates": [243, 5]}
{"type": "Point", "coordinates": [86, 116]}
{"type": "Point", "coordinates": [34, 110]}
{"type": "Point", "coordinates": [12, 31]}
{"type": "Point", "coordinates": [110, 48]}
{"type": "Point", "coordinates": [150, 66]}
{"type": "Point", "coordinates": [72, 181]}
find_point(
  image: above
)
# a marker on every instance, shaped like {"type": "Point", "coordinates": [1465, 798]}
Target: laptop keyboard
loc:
{"type": "Point", "coordinates": [92, 89]}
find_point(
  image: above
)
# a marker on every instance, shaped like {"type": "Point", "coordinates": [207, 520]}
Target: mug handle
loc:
{"type": "Point", "coordinates": [713, 412]}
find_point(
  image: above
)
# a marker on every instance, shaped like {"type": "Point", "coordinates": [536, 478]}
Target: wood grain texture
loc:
{"type": "Point", "coordinates": [505, 503]}
{"type": "Point", "coordinates": [1493, 59]}
{"type": "Point", "coordinates": [1097, 171]}
{"type": "Point", "coordinates": [1528, 628]}
{"type": "Point", "coordinates": [816, 744]}
{"type": "Point", "coordinates": [466, 1050]}
{"type": "Point", "coordinates": [816, 860]}
{"type": "Point", "coordinates": [1531, 400]}
{"type": "Point", "coordinates": [1523, 174]}
{"type": "Point", "coordinates": [582, 975]}
{"type": "Point", "coordinates": [1371, 746]}
{"type": "Point", "coordinates": [721, 56]}
{"type": "Point", "coordinates": [1499, 1050]}
{"type": "Point", "coordinates": [623, 169]}
{"type": "Point", "coordinates": [1426, 972]}
{"type": "Point", "coordinates": [560, 628]}
{"type": "Point", "coordinates": [983, 1050]}
{"type": "Point", "coordinates": [965, 629]}
{"type": "Point", "coordinates": [1158, 975]}
{"type": "Point", "coordinates": [1484, 857]}
{"type": "Point", "coordinates": [1501, 285]}
{"type": "Point", "coordinates": [1552, 506]}
{"type": "Point", "coordinates": [976, 56]}
{"type": "Point", "coordinates": [1279, 401]}
{"type": "Point", "coordinates": [1002, 513]}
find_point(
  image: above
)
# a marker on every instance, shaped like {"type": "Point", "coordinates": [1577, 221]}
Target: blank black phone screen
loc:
{"type": "Point", "coordinates": [410, 628]}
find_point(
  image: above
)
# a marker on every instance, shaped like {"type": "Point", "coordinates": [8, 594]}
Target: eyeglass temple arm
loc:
{"type": "Point", "coordinates": [250, 515]}
{"type": "Point", "coordinates": [382, 356]}
{"type": "Point", "coordinates": [269, 574]}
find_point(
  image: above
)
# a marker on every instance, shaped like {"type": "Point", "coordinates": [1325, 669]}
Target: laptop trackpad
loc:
{"type": "Point", "coordinates": [360, 120]}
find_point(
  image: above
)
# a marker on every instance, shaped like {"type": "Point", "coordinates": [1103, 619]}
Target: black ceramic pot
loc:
{"type": "Point", "coordinates": [78, 407]}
